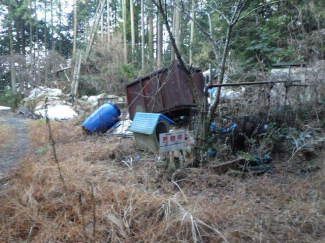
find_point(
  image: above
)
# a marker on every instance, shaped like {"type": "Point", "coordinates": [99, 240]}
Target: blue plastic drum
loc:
{"type": "Point", "coordinates": [102, 119]}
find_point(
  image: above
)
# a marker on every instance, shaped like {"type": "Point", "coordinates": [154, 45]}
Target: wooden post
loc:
{"type": "Point", "coordinates": [210, 75]}
{"type": "Point", "coordinates": [75, 80]}
{"type": "Point", "coordinates": [172, 158]}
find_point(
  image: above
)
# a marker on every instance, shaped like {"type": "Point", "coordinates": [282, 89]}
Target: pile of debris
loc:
{"type": "Point", "coordinates": [4, 108]}
{"type": "Point", "coordinates": [62, 106]}
{"type": "Point", "coordinates": [59, 106]}
{"type": "Point", "coordinates": [153, 100]}
{"type": "Point", "coordinates": [98, 100]}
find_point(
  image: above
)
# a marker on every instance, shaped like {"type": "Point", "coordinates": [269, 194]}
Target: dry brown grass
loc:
{"type": "Point", "coordinates": [7, 134]}
{"type": "Point", "coordinates": [135, 203]}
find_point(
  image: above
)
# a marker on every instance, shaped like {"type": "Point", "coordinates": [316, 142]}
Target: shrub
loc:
{"type": "Point", "coordinates": [9, 98]}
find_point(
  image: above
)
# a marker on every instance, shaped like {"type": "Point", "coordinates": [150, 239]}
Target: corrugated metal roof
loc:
{"type": "Point", "coordinates": [145, 123]}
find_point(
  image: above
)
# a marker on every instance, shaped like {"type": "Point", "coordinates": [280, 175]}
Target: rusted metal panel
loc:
{"type": "Point", "coordinates": [151, 87]}
{"type": "Point", "coordinates": [164, 91]}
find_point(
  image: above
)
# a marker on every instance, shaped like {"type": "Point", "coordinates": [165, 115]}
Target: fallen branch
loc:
{"type": "Point", "coordinates": [53, 144]}
{"type": "Point", "coordinates": [94, 211]}
{"type": "Point", "coordinates": [62, 69]}
{"type": "Point", "coordinates": [83, 218]}
{"type": "Point", "coordinates": [65, 74]}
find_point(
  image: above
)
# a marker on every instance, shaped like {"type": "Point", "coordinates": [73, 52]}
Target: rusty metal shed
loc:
{"type": "Point", "coordinates": [165, 91]}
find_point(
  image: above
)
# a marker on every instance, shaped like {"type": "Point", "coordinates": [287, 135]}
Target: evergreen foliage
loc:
{"type": "Point", "coordinates": [270, 32]}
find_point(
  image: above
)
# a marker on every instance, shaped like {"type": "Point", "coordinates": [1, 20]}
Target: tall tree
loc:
{"type": "Point", "coordinates": [142, 34]}
{"type": "Point", "coordinates": [200, 132]}
{"type": "Point", "coordinates": [60, 25]}
{"type": "Point", "coordinates": [132, 29]}
{"type": "Point", "coordinates": [192, 32]}
{"type": "Point", "coordinates": [178, 26]}
{"type": "Point", "coordinates": [45, 27]}
{"type": "Point", "coordinates": [237, 9]}
{"type": "Point", "coordinates": [124, 31]}
{"type": "Point", "coordinates": [45, 39]}
{"type": "Point", "coordinates": [37, 73]}
{"type": "Point", "coordinates": [102, 26]}
{"type": "Point", "coordinates": [31, 49]}
{"type": "Point", "coordinates": [172, 51]}
{"type": "Point", "coordinates": [52, 27]}
{"type": "Point", "coordinates": [108, 20]}
{"type": "Point", "coordinates": [99, 13]}
{"type": "Point", "coordinates": [75, 30]}
{"type": "Point", "coordinates": [11, 47]}
{"type": "Point", "coordinates": [159, 41]}
{"type": "Point", "coordinates": [150, 30]}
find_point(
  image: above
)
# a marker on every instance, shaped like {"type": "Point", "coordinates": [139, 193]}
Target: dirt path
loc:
{"type": "Point", "coordinates": [12, 152]}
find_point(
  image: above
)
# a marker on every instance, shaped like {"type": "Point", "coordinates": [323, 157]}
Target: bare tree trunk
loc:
{"type": "Point", "coordinates": [75, 31]}
{"type": "Point", "coordinates": [172, 51]}
{"type": "Point", "coordinates": [20, 77]}
{"type": "Point", "coordinates": [32, 56]}
{"type": "Point", "coordinates": [12, 64]}
{"type": "Point", "coordinates": [215, 104]}
{"type": "Point", "coordinates": [199, 134]}
{"type": "Point", "coordinates": [22, 61]}
{"type": "Point", "coordinates": [108, 21]}
{"type": "Point", "coordinates": [99, 12]}
{"type": "Point", "coordinates": [37, 69]}
{"type": "Point", "coordinates": [124, 31]}
{"type": "Point", "coordinates": [192, 32]}
{"type": "Point", "coordinates": [45, 41]}
{"type": "Point", "coordinates": [159, 41]}
{"type": "Point", "coordinates": [115, 15]}
{"type": "Point", "coordinates": [52, 28]}
{"type": "Point", "coordinates": [22, 36]}
{"type": "Point", "coordinates": [132, 29]}
{"type": "Point", "coordinates": [177, 53]}
{"type": "Point", "coordinates": [178, 28]}
{"type": "Point", "coordinates": [142, 34]}
{"type": "Point", "coordinates": [18, 37]}
{"type": "Point", "coordinates": [150, 30]}
{"type": "Point", "coordinates": [75, 80]}
{"type": "Point", "coordinates": [238, 9]}
{"type": "Point", "coordinates": [102, 26]}
{"type": "Point", "coordinates": [60, 26]}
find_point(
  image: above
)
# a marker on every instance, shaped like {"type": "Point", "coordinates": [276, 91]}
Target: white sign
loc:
{"type": "Point", "coordinates": [172, 141]}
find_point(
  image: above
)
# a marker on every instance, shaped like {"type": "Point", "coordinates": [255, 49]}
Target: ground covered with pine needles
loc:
{"type": "Point", "coordinates": [110, 192]}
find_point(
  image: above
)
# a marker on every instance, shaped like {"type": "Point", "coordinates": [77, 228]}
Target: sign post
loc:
{"type": "Point", "coordinates": [172, 141]}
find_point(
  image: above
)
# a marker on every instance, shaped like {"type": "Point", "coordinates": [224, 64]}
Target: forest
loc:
{"type": "Point", "coordinates": [162, 121]}
{"type": "Point", "coordinates": [122, 40]}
